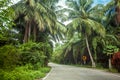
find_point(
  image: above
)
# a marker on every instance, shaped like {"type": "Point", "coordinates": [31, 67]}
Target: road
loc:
{"type": "Point", "coordinates": [65, 72]}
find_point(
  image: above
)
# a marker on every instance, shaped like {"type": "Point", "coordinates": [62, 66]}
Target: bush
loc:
{"type": "Point", "coordinates": [1, 74]}
{"type": "Point", "coordinates": [24, 63]}
{"type": "Point", "coordinates": [35, 52]}
{"type": "Point", "coordinates": [116, 61]}
{"type": "Point", "coordinates": [31, 57]}
{"type": "Point", "coordinates": [45, 69]}
{"type": "Point", "coordinates": [23, 73]}
{"type": "Point", "coordinates": [9, 57]}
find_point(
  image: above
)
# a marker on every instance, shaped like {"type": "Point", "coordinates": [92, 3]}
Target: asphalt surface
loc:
{"type": "Point", "coordinates": [65, 72]}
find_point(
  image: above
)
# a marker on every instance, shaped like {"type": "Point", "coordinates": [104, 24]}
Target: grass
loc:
{"type": "Point", "coordinates": [113, 70]}
{"type": "Point", "coordinates": [24, 73]}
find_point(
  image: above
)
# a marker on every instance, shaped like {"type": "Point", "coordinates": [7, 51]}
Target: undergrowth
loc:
{"type": "Point", "coordinates": [24, 73]}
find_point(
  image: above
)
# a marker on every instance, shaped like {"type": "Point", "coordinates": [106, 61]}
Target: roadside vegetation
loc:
{"type": "Point", "coordinates": [32, 33]}
{"type": "Point", "coordinates": [24, 55]}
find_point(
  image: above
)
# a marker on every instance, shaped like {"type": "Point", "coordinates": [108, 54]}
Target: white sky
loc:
{"type": "Point", "coordinates": [15, 1]}
{"type": "Point", "coordinates": [62, 2]}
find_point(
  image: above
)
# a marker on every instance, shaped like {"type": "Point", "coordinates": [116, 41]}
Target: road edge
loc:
{"type": "Point", "coordinates": [48, 74]}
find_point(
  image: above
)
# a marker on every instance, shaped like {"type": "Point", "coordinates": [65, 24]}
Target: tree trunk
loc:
{"type": "Point", "coordinates": [117, 15]}
{"type": "Point", "coordinates": [34, 32]}
{"type": "Point", "coordinates": [95, 56]}
{"type": "Point", "coordinates": [29, 30]}
{"type": "Point", "coordinates": [110, 65]}
{"type": "Point", "coordinates": [91, 58]}
{"type": "Point", "coordinates": [74, 56]}
{"type": "Point", "coordinates": [26, 33]}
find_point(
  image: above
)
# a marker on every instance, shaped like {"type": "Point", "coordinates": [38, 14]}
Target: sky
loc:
{"type": "Point", "coordinates": [101, 1]}
{"type": "Point", "coordinates": [62, 2]}
{"type": "Point", "coordinates": [95, 1]}
{"type": "Point", "coordinates": [15, 1]}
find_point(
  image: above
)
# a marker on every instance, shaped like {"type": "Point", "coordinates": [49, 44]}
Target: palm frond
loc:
{"type": "Point", "coordinates": [72, 4]}
{"type": "Point", "coordinates": [61, 27]}
{"type": "Point", "coordinates": [91, 25]}
{"type": "Point", "coordinates": [112, 38]}
{"type": "Point", "coordinates": [75, 23]}
{"type": "Point", "coordinates": [88, 5]}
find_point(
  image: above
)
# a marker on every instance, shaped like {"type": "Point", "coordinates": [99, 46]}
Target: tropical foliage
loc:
{"type": "Point", "coordinates": [34, 16]}
{"type": "Point", "coordinates": [5, 21]}
{"type": "Point", "coordinates": [31, 30]}
{"type": "Point", "coordinates": [83, 22]}
{"type": "Point", "coordinates": [93, 21]}
{"type": "Point", "coordinates": [24, 61]}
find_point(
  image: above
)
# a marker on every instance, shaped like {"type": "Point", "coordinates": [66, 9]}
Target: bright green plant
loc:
{"type": "Point", "coordinates": [35, 52]}
{"type": "Point", "coordinates": [9, 57]}
{"type": "Point", "coordinates": [24, 73]}
{"type": "Point", "coordinates": [5, 21]}
{"type": "Point", "coordinates": [109, 50]}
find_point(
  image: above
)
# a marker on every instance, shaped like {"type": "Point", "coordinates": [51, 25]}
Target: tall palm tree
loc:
{"type": "Point", "coordinates": [35, 15]}
{"type": "Point", "coordinates": [112, 10]}
{"type": "Point", "coordinates": [82, 21]}
{"type": "Point", "coordinates": [117, 9]}
{"type": "Point", "coordinates": [75, 47]}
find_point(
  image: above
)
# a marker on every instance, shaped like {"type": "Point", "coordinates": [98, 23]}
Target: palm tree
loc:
{"type": "Point", "coordinates": [6, 21]}
{"type": "Point", "coordinates": [35, 15]}
{"type": "Point", "coordinates": [112, 9]}
{"type": "Point", "coordinates": [82, 21]}
{"type": "Point", "coordinates": [117, 9]}
{"type": "Point", "coordinates": [75, 47]}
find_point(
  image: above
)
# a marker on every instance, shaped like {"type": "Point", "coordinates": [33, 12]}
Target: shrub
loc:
{"type": "Point", "coordinates": [23, 73]}
{"type": "Point", "coordinates": [45, 69]}
{"type": "Point", "coordinates": [9, 57]}
{"type": "Point", "coordinates": [31, 57]}
{"type": "Point", "coordinates": [1, 74]}
{"type": "Point", "coordinates": [18, 74]}
{"type": "Point", "coordinates": [35, 52]}
{"type": "Point", "coordinates": [116, 61]}
{"type": "Point", "coordinates": [38, 74]}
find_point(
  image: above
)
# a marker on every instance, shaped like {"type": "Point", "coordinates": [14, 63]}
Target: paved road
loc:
{"type": "Point", "coordinates": [65, 72]}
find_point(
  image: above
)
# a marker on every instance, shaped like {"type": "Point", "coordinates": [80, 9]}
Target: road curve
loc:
{"type": "Point", "coordinates": [65, 72]}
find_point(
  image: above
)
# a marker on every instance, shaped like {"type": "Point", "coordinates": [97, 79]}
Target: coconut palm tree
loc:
{"type": "Point", "coordinates": [6, 21]}
{"type": "Point", "coordinates": [41, 18]}
{"type": "Point", "coordinates": [34, 15]}
{"type": "Point", "coordinates": [117, 10]}
{"type": "Point", "coordinates": [112, 10]}
{"type": "Point", "coordinates": [75, 48]}
{"type": "Point", "coordinates": [82, 21]}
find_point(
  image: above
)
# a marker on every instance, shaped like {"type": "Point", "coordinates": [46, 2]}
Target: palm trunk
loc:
{"type": "Point", "coordinates": [110, 65]}
{"type": "Point", "coordinates": [29, 30]}
{"type": "Point", "coordinates": [26, 33]}
{"type": "Point", "coordinates": [74, 56]}
{"type": "Point", "coordinates": [34, 32]}
{"type": "Point", "coordinates": [91, 58]}
{"type": "Point", "coordinates": [95, 56]}
{"type": "Point", "coordinates": [117, 18]}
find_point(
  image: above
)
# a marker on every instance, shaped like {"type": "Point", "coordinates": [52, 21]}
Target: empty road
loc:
{"type": "Point", "coordinates": [65, 72]}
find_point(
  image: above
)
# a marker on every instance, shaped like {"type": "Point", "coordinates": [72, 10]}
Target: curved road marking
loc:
{"type": "Point", "coordinates": [48, 74]}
